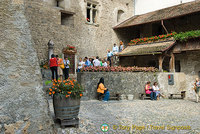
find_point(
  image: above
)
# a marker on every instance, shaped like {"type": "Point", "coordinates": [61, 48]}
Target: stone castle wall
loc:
{"type": "Point", "coordinates": [23, 106]}
{"type": "Point", "coordinates": [90, 40]}
{"type": "Point", "coordinates": [190, 66]}
{"type": "Point", "coordinates": [133, 83]}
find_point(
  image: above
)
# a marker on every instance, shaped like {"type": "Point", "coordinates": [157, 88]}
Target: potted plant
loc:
{"type": "Point", "coordinates": [66, 100]}
{"type": "Point", "coordinates": [69, 49]}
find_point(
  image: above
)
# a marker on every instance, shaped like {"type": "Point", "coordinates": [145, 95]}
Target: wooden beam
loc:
{"type": "Point", "coordinates": [160, 59]}
{"type": "Point", "coordinates": [172, 63]}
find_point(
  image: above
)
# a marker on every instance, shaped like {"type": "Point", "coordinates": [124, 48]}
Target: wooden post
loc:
{"type": "Point", "coordinates": [172, 63]}
{"type": "Point", "coordinates": [160, 59]}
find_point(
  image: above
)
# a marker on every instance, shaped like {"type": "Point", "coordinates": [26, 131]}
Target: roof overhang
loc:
{"type": "Point", "coordinates": [147, 49]}
{"type": "Point", "coordinates": [163, 14]}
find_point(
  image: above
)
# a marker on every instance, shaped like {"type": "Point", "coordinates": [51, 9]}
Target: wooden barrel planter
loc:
{"type": "Point", "coordinates": [66, 110]}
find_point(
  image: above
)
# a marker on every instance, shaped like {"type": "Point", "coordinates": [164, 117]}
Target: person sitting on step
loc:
{"type": "Point", "coordinates": [149, 90]}
{"type": "Point", "coordinates": [156, 89]}
{"type": "Point", "coordinates": [102, 90]}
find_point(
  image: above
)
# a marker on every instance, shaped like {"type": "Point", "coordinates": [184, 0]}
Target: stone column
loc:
{"type": "Point", "coordinates": [50, 48]}
{"type": "Point", "coordinates": [91, 16]}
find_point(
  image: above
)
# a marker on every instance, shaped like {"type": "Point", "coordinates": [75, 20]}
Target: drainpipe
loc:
{"type": "Point", "coordinates": [134, 6]}
{"type": "Point", "coordinates": [162, 23]}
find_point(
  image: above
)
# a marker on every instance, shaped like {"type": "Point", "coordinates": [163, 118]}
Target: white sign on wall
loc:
{"type": "Point", "coordinates": [145, 6]}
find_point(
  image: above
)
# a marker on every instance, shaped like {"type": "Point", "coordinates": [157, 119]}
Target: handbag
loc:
{"type": "Point", "coordinates": [195, 88]}
{"type": "Point", "coordinates": [62, 66]}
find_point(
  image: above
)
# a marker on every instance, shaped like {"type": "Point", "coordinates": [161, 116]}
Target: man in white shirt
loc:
{"type": "Point", "coordinates": [96, 62]}
{"type": "Point", "coordinates": [80, 64]}
{"type": "Point", "coordinates": [104, 63]}
{"type": "Point", "coordinates": [109, 56]}
{"type": "Point", "coordinates": [66, 69]}
{"type": "Point", "coordinates": [115, 49]}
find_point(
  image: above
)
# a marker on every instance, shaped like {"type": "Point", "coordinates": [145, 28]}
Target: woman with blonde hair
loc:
{"type": "Point", "coordinates": [197, 88]}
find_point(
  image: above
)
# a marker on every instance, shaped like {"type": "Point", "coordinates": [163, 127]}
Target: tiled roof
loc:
{"type": "Point", "coordinates": [163, 14]}
{"type": "Point", "coordinates": [146, 49]}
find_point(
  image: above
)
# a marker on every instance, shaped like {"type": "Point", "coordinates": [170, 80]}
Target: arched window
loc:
{"type": "Point", "coordinates": [119, 15]}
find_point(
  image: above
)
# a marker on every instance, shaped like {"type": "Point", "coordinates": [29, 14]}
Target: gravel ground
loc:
{"type": "Point", "coordinates": [137, 117]}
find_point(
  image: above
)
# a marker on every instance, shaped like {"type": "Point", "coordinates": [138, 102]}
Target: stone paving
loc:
{"type": "Point", "coordinates": [137, 117]}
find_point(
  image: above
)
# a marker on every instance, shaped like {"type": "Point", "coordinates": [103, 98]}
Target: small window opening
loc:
{"type": "Point", "coordinates": [57, 3]}
{"type": "Point", "coordinates": [94, 6]}
{"type": "Point", "coordinates": [67, 19]}
{"type": "Point", "coordinates": [94, 14]}
{"type": "Point", "coordinates": [119, 15]}
{"type": "Point", "coordinates": [88, 15]}
{"type": "Point", "coordinates": [88, 4]}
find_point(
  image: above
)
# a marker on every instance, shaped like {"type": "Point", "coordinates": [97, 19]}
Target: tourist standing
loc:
{"type": "Point", "coordinates": [105, 63]}
{"type": "Point", "coordinates": [53, 66]}
{"type": "Point", "coordinates": [96, 62]}
{"type": "Point", "coordinates": [80, 64]}
{"type": "Point", "coordinates": [66, 69]}
{"type": "Point", "coordinates": [91, 62]}
{"type": "Point", "coordinates": [121, 47]}
{"type": "Point", "coordinates": [109, 56]}
{"type": "Point", "coordinates": [101, 63]}
{"type": "Point", "coordinates": [60, 71]}
{"type": "Point", "coordinates": [87, 62]}
{"type": "Point", "coordinates": [197, 88]}
{"type": "Point", "coordinates": [115, 49]}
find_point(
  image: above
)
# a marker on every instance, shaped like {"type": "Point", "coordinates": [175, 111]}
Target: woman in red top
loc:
{"type": "Point", "coordinates": [53, 66]}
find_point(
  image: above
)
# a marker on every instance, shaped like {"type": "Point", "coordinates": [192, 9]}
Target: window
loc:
{"type": "Point", "coordinates": [91, 13]}
{"type": "Point", "coordinates": [119, 15]}
{"type": "Point", "coordinates": [67, 19]}
{"type": "Point", "coordinates": [62, 3]}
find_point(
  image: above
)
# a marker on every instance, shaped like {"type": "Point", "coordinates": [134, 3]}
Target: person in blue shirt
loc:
{"type": "Point", "coordinates": [109, 56]}
{"type": "Point", "coordinates": [91, 62]}
{"type": "Point", "coordinates": [87, 62]}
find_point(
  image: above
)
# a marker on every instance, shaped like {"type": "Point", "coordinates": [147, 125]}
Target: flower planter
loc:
{"type": "Point", "coordinates": [66, 110]}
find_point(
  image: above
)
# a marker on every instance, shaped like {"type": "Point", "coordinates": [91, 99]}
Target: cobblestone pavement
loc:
{"type": "Point", "coordinates": [137, 117]}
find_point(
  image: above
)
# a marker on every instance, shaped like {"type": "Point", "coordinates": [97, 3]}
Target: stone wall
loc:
{"type": "Point", "coordinates": [133, 83]}
{"type": "Point", "coordinates": [90, 40]}
{"type": "Point", "coordinates": [23, 106]}
{"type": "Point", "coordinates": [190, 66]}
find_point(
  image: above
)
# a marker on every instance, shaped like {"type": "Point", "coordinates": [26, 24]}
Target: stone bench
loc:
{"type": "Point", "coordinates": [144, 96]}
{"type": "Point", "coordinates": [182, 95]}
